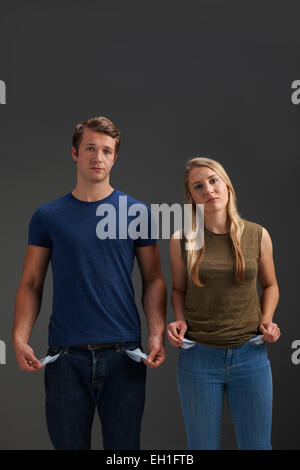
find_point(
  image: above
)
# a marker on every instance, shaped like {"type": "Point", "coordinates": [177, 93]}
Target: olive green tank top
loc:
{"type": "Point", "coordinates": [224, 313]}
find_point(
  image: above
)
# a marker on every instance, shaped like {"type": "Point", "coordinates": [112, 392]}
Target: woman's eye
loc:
{"type": "Point", "coordinates": [198, 186]}
{"type": "Point", "coordinates": [213, 180]}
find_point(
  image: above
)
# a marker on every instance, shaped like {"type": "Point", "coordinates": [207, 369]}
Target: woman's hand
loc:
{"type": "Point", "coordinates": [270, 331]}
{"type": "Point", "coordinates": [176, 331]}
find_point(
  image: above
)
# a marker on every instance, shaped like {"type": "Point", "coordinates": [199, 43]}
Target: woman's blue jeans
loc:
{"type": "Point", "coordinates": [206, 374]}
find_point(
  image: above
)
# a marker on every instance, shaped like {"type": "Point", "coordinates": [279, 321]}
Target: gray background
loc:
{"type": "Point", "coordinates": [205, 78]}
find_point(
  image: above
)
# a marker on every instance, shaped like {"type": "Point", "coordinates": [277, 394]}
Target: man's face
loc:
{"type": "Point", "coordinates": [96, 156]}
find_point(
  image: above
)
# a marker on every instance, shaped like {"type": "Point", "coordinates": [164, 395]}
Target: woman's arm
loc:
{"type": "Point", "coordinates": [269, 289]}
{"type": "Point", "coordinates": [177, 329]}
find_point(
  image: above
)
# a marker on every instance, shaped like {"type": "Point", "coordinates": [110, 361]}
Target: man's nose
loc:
{"type": "Point", "coordinates": [98, 156]}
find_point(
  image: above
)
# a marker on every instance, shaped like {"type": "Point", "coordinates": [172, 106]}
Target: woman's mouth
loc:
{"type": "Point", "coordinates": [213, 199]}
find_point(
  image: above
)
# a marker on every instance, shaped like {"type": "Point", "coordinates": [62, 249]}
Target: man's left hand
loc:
{"type": "Point", "coordinates": [157, 352]}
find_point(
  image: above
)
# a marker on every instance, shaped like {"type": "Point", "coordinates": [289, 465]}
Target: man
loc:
{"type": "Point", "coordinates": [94, 321]}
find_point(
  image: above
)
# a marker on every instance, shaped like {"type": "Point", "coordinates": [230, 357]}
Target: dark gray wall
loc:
{"type": "Point", "coordinates": [210, 78]}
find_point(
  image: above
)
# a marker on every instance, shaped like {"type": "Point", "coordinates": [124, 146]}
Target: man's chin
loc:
{"type": "Point", "coordinates": [98, 179]}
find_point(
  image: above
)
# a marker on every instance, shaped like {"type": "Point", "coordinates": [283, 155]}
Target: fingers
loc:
{"type": "Point", "coordinates": [263, 329]}
{"type": "Point", "coordinates": [270, 331]}
{"type": "Point", "coordinates": [155, 357]}
{"type": "Point", "coordinates": [29, 363]}
{"type": "Point", "coordinates": [34, 363]}
{"type": "Point", "coordinates": [152, 364]}
{"type": "Point", "coordinates": [272, 337]}
{"type": "Point", "coordinates": [32, 366]}
{"type": "Point", "coordinates": [29, 367]}
{"type": "Point", "coordinates": [175, 332]}
{"type": "Point", "coordinates": [182, 330]}
{"type": "Point", "coordinates": [174, 339]}
{"type": "Point", "coordinates": [26, 357]}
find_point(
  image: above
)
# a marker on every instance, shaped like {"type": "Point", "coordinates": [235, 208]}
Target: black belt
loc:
{"type": "Point", "coordinates": [92, 347]}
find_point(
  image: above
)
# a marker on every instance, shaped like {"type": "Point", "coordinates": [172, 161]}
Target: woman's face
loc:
{"type": "Point", "coordinates": [207, 187]}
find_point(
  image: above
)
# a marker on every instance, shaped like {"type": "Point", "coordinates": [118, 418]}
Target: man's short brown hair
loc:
{"type": "Point", "coordinates": [98, 124]}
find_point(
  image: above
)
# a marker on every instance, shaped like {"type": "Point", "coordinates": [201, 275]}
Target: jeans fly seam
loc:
{"type": "Point", "coordinates": [227, 365]}
{"type": "Point", "coordinates": [94, 366]}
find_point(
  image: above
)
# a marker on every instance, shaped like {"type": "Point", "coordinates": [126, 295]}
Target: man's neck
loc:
{"type": "Point", "coordinates": [92, 193]}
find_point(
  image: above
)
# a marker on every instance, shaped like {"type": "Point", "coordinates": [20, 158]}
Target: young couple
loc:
{"type": "Point", "coordinates": [95, 324]}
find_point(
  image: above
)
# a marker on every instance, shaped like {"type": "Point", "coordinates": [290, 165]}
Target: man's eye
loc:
{"type": "Point", "coordinates": [90, 148]}
{"type": "Point", "coordinates": [107, 151]}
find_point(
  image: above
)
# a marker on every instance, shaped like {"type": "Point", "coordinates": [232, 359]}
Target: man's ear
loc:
{"type": "Point", "coordinates": [115, 157]}
{"type": "Point", "coordinates": [74, 154]}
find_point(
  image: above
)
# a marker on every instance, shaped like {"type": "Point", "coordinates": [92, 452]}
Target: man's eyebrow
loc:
{"type": "Point", "coordinates": [105, 146]}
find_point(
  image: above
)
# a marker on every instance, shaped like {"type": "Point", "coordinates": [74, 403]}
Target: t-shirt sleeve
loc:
{"type": "Point", "coordinates": [152, 232]}
{"type": "Point", "coordinates": [37, 233]}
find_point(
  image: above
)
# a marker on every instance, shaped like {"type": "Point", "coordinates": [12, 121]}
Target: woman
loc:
{"type": "Point", "coordinates": [216, 305]}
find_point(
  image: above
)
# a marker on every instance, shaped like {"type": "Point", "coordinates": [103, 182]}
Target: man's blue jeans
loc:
{"type": "Point", "coordinates": [80, 381]}
{"type": "Point", "coordinates": [206, 374]}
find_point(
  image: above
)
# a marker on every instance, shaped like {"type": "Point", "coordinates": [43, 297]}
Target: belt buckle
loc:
{"type": "Point", "coordinates": [93, 347]}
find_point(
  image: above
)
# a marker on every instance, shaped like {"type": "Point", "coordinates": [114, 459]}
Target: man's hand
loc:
{"type": "Point", "coordinates": [157, 352]}
{"type": "Point", "coordinates": [176, 331]}
{"type": "Point", "coordinates": [270, 331]}
{"type": "Point", "coordinates": [26, 358]}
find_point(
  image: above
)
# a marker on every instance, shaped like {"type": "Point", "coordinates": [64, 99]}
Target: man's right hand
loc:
{"type": "Point", "coordinates": [26, 358]}
{"type": "Point", "coordinates": [176, 331]}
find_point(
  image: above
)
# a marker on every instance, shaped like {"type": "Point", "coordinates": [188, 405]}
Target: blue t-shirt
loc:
{"type": "Point", "coordinates": [93, 296]}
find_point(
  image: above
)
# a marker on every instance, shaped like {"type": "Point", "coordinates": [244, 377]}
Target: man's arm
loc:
{"type": "Point", "coordinates": [27, 305]}
{"type": "Point", "coordinates": [154, 299]}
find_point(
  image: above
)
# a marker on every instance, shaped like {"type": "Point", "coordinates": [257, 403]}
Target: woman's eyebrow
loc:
{"type": "Point", "coordinates": [200, 181]}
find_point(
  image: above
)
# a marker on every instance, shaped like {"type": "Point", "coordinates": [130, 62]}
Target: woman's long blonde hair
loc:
{"type": "Point", "coordinates": [195, 256]}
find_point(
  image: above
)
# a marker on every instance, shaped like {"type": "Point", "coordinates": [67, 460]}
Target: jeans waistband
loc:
{"type": "Point", "coordinates": [92, 347]}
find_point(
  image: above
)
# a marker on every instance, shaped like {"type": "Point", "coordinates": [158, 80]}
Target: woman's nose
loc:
{"type": "Point", "coordinates": [207, 189]}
